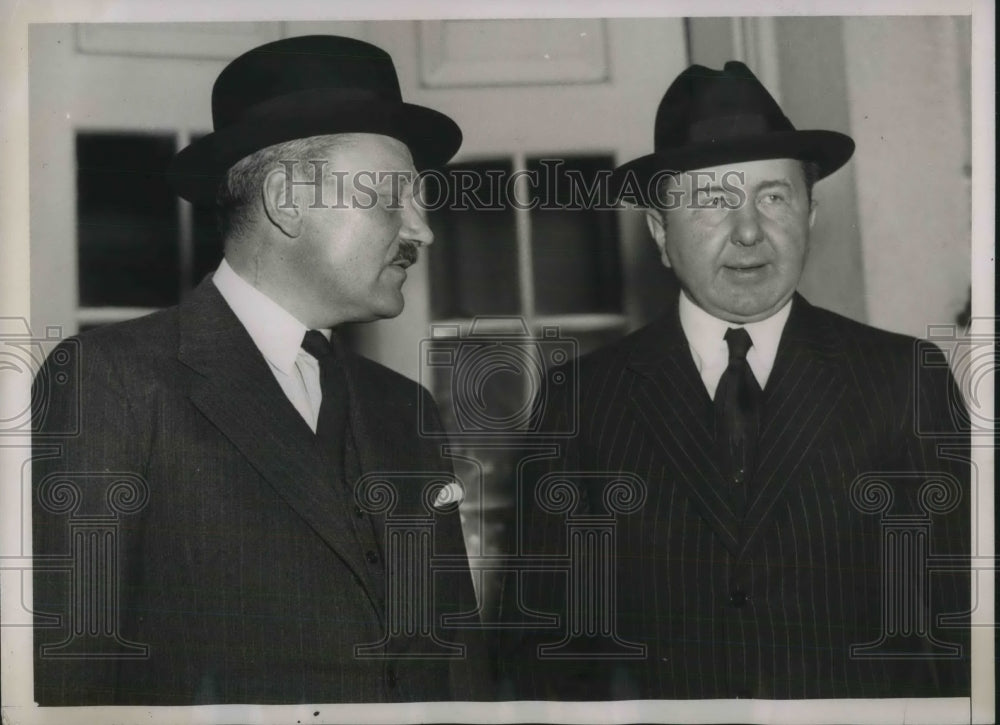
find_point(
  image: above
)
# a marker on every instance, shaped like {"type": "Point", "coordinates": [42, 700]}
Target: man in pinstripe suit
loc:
{"type": "Point", "coordinates": [778, 445]}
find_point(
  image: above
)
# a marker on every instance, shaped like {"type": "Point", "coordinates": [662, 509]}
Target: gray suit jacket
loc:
{"type": "Point", "coordinates": [237, 569]}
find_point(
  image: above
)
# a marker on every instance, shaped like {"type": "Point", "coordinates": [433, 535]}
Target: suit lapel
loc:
{"type": "Point", "coordinates": [252, 411]}
{"type": "Point", "coordinates": [385, 439]}
{"type": "Point", "coordinates": [802, 392]}
{"type": "Point", "coordinates": [670, 402]}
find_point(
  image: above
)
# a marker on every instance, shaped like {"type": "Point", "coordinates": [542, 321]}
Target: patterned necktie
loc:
{"type": "Point", "coordinates": [737, 409]}
{"type": "Point", "coordinates": [332, 421]}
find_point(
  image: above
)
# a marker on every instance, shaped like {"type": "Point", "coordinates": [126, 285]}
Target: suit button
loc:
{"type": "Point", "coordinates": [739, 476]}
{"type": "Point", "coordinates": [372, 556]}
{"type": "Point", "coordinates": [738, 597]}
{"type": "Point", "coordinates": [359, 512]}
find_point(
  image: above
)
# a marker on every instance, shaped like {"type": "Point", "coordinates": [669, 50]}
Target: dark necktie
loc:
{"type": "Point", "coordinates": [332, 421]}
{"type": "Point", "coordinates": [737, 409]}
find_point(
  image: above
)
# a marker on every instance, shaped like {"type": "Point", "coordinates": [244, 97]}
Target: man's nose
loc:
{"type": "Point", "coordinates": [746, 225]}
{"type": "Point", "coordinates": [415, 228]}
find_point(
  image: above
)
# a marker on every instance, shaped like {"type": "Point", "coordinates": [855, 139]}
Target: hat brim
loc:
{"type": "Point", "coordinates": [828, 149]}
{"type": "Point", "coordinates": [197, 170]}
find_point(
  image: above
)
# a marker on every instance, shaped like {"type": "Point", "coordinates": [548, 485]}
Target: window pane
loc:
{"type": "Point", "coordinates": [574, 237]}
{"type": "Point", "coordinates": [127, 221]}
{"type": "Point", "coordinates": [473, 261]}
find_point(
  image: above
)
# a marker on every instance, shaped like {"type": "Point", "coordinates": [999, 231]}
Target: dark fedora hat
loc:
{"type": "Point", "coordinates": [709, 117]}
{"type": "Point", "coordinates": [307, 86]}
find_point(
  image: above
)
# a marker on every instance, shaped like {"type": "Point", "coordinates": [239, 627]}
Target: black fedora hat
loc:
{"type": "Point", "coordinates": [307, 86]}
{"type": "Point", "coordinates": [709, 117]}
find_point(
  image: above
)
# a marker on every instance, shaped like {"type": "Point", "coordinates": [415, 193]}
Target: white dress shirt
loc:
{"type": "Point", "coordinates": [278, 336]}
{"type": "Point", "coordinates": [706, 336]}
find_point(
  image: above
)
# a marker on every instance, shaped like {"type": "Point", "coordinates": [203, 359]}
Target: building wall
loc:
{"type": "Point", "coordinates": [909, 117]}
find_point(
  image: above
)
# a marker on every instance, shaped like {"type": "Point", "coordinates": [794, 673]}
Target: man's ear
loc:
{"type": "Point", "coordinates": [280, 202]}
{"type": "Point", "coordinates": [657, 227]}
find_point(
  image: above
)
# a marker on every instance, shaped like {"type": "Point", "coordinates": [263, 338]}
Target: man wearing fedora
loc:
{"type": "Point", "coordinates": [782, 449]}
{"type": "Point", "coordinates": [226, 437]}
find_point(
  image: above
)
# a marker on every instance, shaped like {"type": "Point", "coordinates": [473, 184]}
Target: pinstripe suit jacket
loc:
{"type": "Point", "coordinates": [760, 590]}
{"type": "Point", "coordinates": [248, 572]}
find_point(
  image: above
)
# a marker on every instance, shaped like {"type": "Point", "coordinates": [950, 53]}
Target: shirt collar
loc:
{"type": "Point", "coordinates": [275, 331]}
{"type": "Point", "coordinates": [705, 334]}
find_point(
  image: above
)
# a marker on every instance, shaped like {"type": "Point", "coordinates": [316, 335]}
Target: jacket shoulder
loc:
{"type": "Point", "coordinates": [382, 379]}
{"type": "Point", "coordinates": [149, 334]}
{"type": "Point", "coordinates": [617, 353]}
{"type": "Point", "coordinates": [862, 340]}
{"type": "Point", "coordinates": [133, 344]}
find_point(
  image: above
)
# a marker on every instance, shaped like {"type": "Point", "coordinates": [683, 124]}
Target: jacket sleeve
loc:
{"type": "Point", "coordinates": [937, 449]}
{"type": "Point", "coordinates": [86, 474]}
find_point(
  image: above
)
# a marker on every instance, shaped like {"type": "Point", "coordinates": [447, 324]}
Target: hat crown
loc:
{"type": "Point", "coordinates": [313, 85]}
{"type": "Point", "coordinates": [704, 106]}
{"type": "Point", "coordinates": [357, 69]}
{"type": "Point", "coordinates": [708, 118]}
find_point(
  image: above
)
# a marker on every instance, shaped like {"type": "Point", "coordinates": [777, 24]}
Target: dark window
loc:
{"type": "Point", "coordinates": [574, 237]}
{"type": "Point", "coordinates": [473, 262]}
{"type": "Point", "coordinates": [127, 229]}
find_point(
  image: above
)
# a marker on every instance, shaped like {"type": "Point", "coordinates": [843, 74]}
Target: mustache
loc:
{"type": "Point", "coordinates": [408, 253]}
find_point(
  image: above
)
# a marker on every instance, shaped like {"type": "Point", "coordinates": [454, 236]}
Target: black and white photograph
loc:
{"type": "Point", "coordinates": [498, 363]}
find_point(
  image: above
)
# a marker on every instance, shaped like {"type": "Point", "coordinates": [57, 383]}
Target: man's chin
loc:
{"type": "Point", "coordinates": [746, 310]}
{"type": "Point", "coordinates": [390, 305]}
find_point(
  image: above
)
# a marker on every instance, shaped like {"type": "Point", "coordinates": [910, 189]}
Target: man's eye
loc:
{"type": "Point", "coordinates": [773, 198]}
